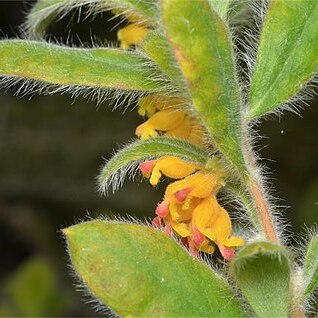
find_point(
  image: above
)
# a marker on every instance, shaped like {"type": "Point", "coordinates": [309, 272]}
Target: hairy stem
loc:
{"type": "Point", "coordinates": [297, 292]}
{"type": "Point", "coordinates": [262, 206]}
{"type": "Point", "coordinates": [257, 191]}
{"type": "Point", "coordinates": [298, 312]}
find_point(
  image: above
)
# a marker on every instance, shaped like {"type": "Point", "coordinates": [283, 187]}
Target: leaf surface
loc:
{"type": "Point", "coordinates": [156, 46]}
{"type": "Point", "coordinates": [262, 272]}
{"type": "Point", "coordinates": [65, 66]}
{"type": "Point", "coordinates": [141, 272]}
{"type": "Point", "coordinates": [311, 266]}
{"type": "Point", "coordinates": [202, 45]}
{"type": "Point", "coordinates": [287, 56]}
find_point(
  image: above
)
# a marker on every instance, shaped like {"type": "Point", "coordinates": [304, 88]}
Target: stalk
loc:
{"type": "Point", "coordinates": [298, 312]}
{"type": "Point", "coordinates": [262, 206]}
{"type": "Point", "coordinates": [257, 190]}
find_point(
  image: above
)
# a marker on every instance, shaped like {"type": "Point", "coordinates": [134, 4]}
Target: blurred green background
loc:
{"type": "Point", "coordinates": [51, 148]}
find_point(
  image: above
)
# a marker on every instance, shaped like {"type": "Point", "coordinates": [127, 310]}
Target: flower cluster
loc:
{"type": "Point", "coordinates": [190, 209]}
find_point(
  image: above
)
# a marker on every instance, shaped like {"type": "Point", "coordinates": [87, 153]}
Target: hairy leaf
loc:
{"type": "Point", "coordinates": [69, 67]}
{"type": "Point", "coordinates": [262, 272]}
{"type": "Point", "coordinates": [311, 266]}
{"type": "Point", "coordinates": [287, 55]}
{"type": "Point", "coordinates": [202, 45]}
{"type": "Point", "coordinates": [111, 173]}
{"type": "Point", "coordinates": [135, 270]}
{"type": "Point", "coordinates": [45, 12]}
{"type": "Point", "coordinates": [156, 46]}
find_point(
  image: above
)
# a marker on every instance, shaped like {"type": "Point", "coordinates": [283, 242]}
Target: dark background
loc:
{"type": "Point", "coordinates": [51, 148]}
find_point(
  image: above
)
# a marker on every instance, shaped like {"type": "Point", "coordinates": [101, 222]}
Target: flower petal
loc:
{"type": "Point", "coordinates": [147, 166]}
{"type": "Point", "coordinates": [227, 253]}
{"type": "Point", "coordinates": [214, 222]}
{"type": "Point", "coordinates": [178, 213]}
{"type": "Point", "coordinates": [181, 195]}
{"type": "Point", "coordinates": [162, 209]}
{"type": "Point", "coordinates": [157, 221]}
{"type": "Point", "coordinates": [163, 120]}
{"type": "Point", "coordinates": [182, 131]}
{"type": "Point", "coordinates": [204, 216]}
{"type": "Point", "coordinates": [145, 131]}
{"type": "Point", "coordinates": [172, 167]}
{"type": "Point", "coordinates": [132, 34]}
{"type": "Point", "coordinates": [166, 119]}
{"type": "Point", "coordinates": [148, 105]}
{"type": "Point", "coordinates": [202, 184]}
{"type": "Point", "coordinates": [197, 237]}
{"type": "Point", "coordinates": [234, 241]}
{"type": "Point", "coordinates": [181, 229]}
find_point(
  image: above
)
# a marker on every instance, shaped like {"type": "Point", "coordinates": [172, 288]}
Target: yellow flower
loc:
{"type": "Point", "coordinates": [164, 120]}
{"type": "Point", "coordinates": [166, 165]}
{"type": "Point", "coordinates": [148, 105]}
{"type": "Point", "coordinates": [167, 118]}
{"type": "Point", "coordinates": [190, 208]}
{"type": "Point", "coordinates": [213, 222]}
{"type": "Point", "coordinates": [133, 34]}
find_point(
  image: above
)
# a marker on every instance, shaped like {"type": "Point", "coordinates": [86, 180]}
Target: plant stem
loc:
{"type": "Point", "coordinates": [257, 191]}
{"type": "Point", "coordinates": [298, 312]}
{"type": "Point", "coordinates": [262, 206]}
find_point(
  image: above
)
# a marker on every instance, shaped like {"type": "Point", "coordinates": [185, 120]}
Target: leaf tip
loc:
{"type": "Point", "coordinates": [67, 232]}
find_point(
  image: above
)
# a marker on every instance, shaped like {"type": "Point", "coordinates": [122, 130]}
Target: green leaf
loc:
{"type": "Point", "coordinates": [262, 272]}
{"type": "Point", "coordinates": [202, 45]}
{"type": "Point", "coordinates": [156, 46]}
{"type": "Point", "coordinates": [287, 55]}
{"type": "Point", "coordinates": [44, 12]}
{"type": "Point", "coordinates": [311, 267]}
{"type": "Point", "coordinates": [247, 202]}
{"type": "Point", "coordinates": [33, 292]}
{"type": "Point", "coordinates": [116, 168]}
{"type": "Point", "coordinates": [135, 270]}
{"type": "Point", "coordinates": [73, 67]}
